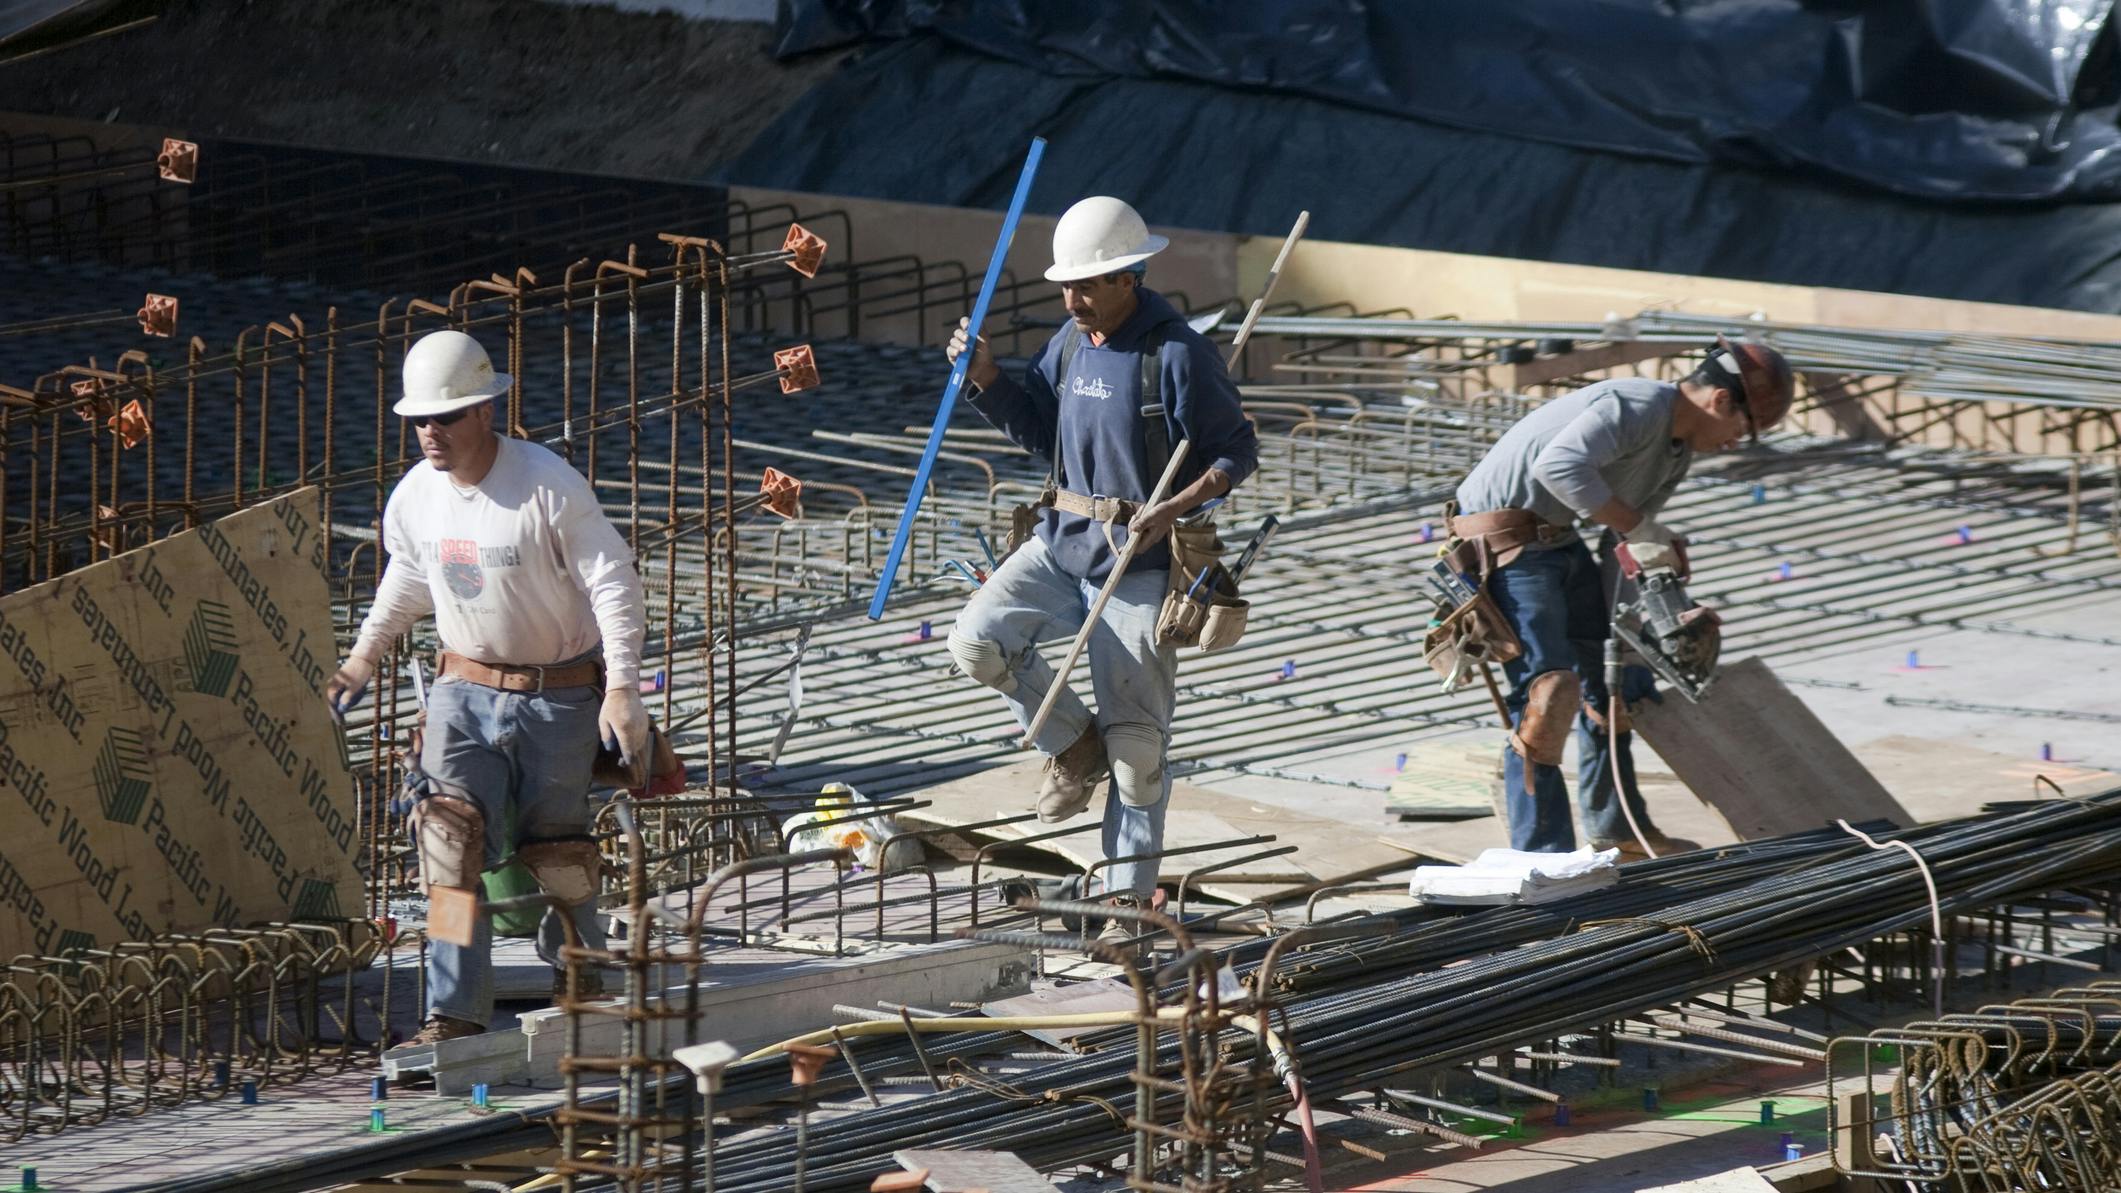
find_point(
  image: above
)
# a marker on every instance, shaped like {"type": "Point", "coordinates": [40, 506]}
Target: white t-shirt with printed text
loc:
{"type": "Point", "coordinates": [522, 568]}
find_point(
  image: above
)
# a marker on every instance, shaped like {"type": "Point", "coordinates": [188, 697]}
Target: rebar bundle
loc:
{"type": "Point", "coordinates": [1360, 1032]}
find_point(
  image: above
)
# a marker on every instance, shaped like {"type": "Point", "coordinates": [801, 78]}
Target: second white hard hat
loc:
{"type": "Point", "coordinates": [445, 371]}
{"type": "Point", "coordinates": [1097, 236]}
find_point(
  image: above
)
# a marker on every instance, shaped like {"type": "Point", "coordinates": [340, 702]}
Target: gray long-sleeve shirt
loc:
{"type": "Point", "coordinates": [1572, 455]}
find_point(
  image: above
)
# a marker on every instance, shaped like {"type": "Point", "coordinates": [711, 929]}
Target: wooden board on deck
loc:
{"type": "Point", "coordinates": [1100, 994]}
{"type": "Point", "coordinates": [1757, 755]}
{"type": "Point", "coordinates": [1444, 780]}
{"type": "Point", "coordinates": [163, 730]}
{"type": "Point", "coordinates": [951, 1171]}
{"type": "Point", "coordinates": [1939, 779]}
{"type": "Point", "coordinates": [1197, 816]}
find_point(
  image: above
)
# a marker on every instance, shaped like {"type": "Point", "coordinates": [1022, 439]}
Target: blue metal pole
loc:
{"type": "Point", "coordinates": [958, 370]}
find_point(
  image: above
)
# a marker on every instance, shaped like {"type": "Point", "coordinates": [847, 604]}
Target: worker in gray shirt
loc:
{"type": "Point", "coordinates": [1610, 453]}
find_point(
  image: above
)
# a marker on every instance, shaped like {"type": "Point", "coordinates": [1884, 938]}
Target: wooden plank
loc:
{"type": "Point", "coordinates": [966, 1171]}
{"type": "Point", "coordinates": [1100, 994]}
{"type": "Point", "coordinates": [1449, 779]}
{"type": "Point", "coordinates": [1939, 779]}
{"type": "Point", "coordinates": [165, 736]}
{"type": "Point", "coordinates": [1752, 751]}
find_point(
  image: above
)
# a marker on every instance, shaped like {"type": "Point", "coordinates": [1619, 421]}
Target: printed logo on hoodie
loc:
{"type": "Point", "coordinates": [1095, 389]}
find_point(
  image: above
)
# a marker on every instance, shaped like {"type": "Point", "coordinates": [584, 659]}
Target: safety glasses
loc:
{"type": "Point", "coordinates": [440, 420]}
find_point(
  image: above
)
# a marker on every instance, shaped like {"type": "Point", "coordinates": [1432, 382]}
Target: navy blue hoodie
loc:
{"type": "Point", "coordinates": [1093, 416]}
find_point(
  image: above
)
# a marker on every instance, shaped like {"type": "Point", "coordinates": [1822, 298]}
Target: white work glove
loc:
{"type": "Point", "coordinates": [1650, 530]}
{"type": "Point", "coordinates": [1650, 543]}
{"type": "Point", "coordinates": [346, 685]}
{"type": "Point", "coordinates": [623, 725]}
{"type": "Point", "coordinates": [982, 372]}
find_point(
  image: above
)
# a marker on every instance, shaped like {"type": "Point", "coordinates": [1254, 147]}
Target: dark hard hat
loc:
{"type": "Point", "coordinates": [1770, 387]}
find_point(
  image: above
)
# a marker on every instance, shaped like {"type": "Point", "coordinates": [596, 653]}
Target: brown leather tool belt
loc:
{"type": "Point", "coordinates": [1493, 539]}
{"type": "Point", "coordinates": [514, 678]}
{"type": "Point", "coordinates": [1097, 509]}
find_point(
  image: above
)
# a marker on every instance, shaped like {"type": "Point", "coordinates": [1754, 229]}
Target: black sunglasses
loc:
{"type": "Point", "coordinates": [440, 420]}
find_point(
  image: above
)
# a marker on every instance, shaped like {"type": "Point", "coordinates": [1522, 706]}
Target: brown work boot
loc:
{"type": "Point", "coordinates": [441, 1027]}
{"type": "Point", "coordinates": [1071, 778]}
{"type": "Point", "coordinates": [1120, 932]}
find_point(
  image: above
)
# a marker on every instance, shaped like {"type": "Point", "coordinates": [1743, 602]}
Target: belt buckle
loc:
{"type": "Point", "coordinates": [539, 668]}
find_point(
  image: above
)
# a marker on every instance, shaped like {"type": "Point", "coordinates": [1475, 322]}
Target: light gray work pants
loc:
{"type": "Point", "coordinates": [1030, 600]}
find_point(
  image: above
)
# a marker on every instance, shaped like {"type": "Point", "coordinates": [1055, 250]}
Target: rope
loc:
{"type": "Point", "coordinates": [962, 1074]}
{"type": "Point", "coordinates": [1936, 907]}
{"type": "Point", "coordinates": [1695, 939]}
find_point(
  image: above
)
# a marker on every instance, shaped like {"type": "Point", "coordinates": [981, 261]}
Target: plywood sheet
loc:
{"type": "Point", "coordinates": [1446, 780]}
{"type": "Point", "coordinates": [1938, 779]}
{"type": "Point", "coordinates": [169, 757]}
{"type": "Point", "coordinates": [1752, 751]}
{"type": "Point", "coordinates": [970, 1171]}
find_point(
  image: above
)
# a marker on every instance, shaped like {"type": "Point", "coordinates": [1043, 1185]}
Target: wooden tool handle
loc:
{"type": "Point", "coordinates": [1097, 607]}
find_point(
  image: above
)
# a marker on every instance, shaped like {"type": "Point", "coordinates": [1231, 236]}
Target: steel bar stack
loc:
{"type": "Point", "coordinates": [1370, 1032]}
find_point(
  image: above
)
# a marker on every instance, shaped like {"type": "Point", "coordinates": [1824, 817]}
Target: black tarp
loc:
{"type": "Point", "coordinates": [922, 120]}
{"type": "Point", "coordinates": [28, 26]}
{"type": "Point", "coordinates": [1974, 100]}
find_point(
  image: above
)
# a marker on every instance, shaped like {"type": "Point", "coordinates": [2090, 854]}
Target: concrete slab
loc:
{"type": "Point", "coordinates": [1737, 1180]}
{"type": "Point", "coordinates": [1703, 1132]}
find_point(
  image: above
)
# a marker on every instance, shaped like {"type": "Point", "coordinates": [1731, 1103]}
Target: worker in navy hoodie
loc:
{"type": "Point", "coordinates": [1114, 390]}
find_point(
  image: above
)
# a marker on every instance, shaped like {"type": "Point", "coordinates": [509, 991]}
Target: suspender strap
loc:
{"type": "Point", "coordinates": [1156, 427]}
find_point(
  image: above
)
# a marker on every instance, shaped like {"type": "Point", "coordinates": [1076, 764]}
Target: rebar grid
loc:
{"type": "Point", "coordinates": [181, 1017]}
{"type": "Point", "coordinates": [2015, 1096]}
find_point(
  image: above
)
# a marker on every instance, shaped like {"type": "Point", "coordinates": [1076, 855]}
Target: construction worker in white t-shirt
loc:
{"type": "Point", "coordinates": [539, 610]}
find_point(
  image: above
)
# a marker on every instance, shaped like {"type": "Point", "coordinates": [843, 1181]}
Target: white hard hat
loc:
{"type": "Point", "coordinates": [445, 371]}
{"type": "Point", "coordinates": [1097, 236]}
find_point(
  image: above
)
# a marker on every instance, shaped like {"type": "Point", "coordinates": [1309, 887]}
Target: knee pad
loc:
{"type": "Point", "coordinates": [567, 868]}
{"type": "Point", "coordinates": [1136, 753]}
{"type": "Point", "coordinates": [449, 832]}
{"type": "Point", "coordinates": [983, 662]}
{"type": "Point", "coordinates": [1550, 708]}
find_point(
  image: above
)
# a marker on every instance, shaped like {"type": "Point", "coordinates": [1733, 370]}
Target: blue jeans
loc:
{"type": "Point", "coordinates": [525, 759]}
{"type": "Point", "coordinates": [1029, 600]}
{"type": "Point", "coordinates": [1556, 601]}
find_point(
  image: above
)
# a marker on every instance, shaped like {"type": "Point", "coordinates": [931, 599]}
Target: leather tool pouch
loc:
{"type": "Point", "coordinates": [1023, 520]}
{"type": "Point", "coordinates": [1474, 633]}
{"type": "Point", "coordinates": [1212, 616]}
